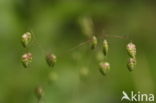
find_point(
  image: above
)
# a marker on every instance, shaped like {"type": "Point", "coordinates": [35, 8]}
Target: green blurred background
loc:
{"type": "Point", "coordinates": [57, 26]}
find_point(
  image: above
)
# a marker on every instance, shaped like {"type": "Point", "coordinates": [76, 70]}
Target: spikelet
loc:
{"type": "Point", "coordinates": [131, 64]}
{"type": "Point", "coordinates": [104, 67]}
{"type": "Point", "coordinates": [51, 59]}
{"type": "Point", "coordinates": [39, 92]}
{"type": "Point", "coordinates": [105, 47]}
{"type": "Point", "coordinates": [26, 59]}
{"type": "Point", "coordinates": [94, 42]}
{"type": "Point", "coordinates": [26, 39]}
{"type": "Point", "coordinates": [131, 49]}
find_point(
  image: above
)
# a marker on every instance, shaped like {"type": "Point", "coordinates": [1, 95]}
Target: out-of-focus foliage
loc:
{"type": "Point", "coordinates": [56, 27]}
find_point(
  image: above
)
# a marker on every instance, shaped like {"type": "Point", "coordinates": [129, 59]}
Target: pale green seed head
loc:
{"type": "Point", "coordinates": [86, 24]}
{"type": "Point", "coordinates": [94, 42]}
{"type": "Point", "coordinates": [26, 59]}
{"type": "Point", "coordinates": [39, 92]}
{"type": "Point", "coordinates": [131, 49]}
{"type": "Point", "coordinates": [105, 47]}
{"type": "Point", "coordinates": [26, 39]}
{"type": "Point", "coordinates": [99, 55]}
{"type": "Point", "coordinates": [104, 67]}
{"type": "Point", "coordinates": [131, 64]}
{"type": "Point", "coordinates": [51, 59]}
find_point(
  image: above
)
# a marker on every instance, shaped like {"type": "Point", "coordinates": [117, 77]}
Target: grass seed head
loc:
{"type": "Point", "coordinates": [87, 26]}
{"type": "Point", "coordinates": [39, 92]}
{"type": "Point", "coordinates": [26, 39]}
{"type": "Point", "coordinates": [105, 47]}
{"type": "Point", "coordinates": [94, 42]}
{"type": "Point", "coordinates": [104, 67]}
{"type": "Point", "coordinates": [51, 59]}
{"type": "Point", "coordinates": [131, 64]}
{"type": "Point", "coordinates": [26, 59]}
{"type": "Point", "coordinates": [131, 49]}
